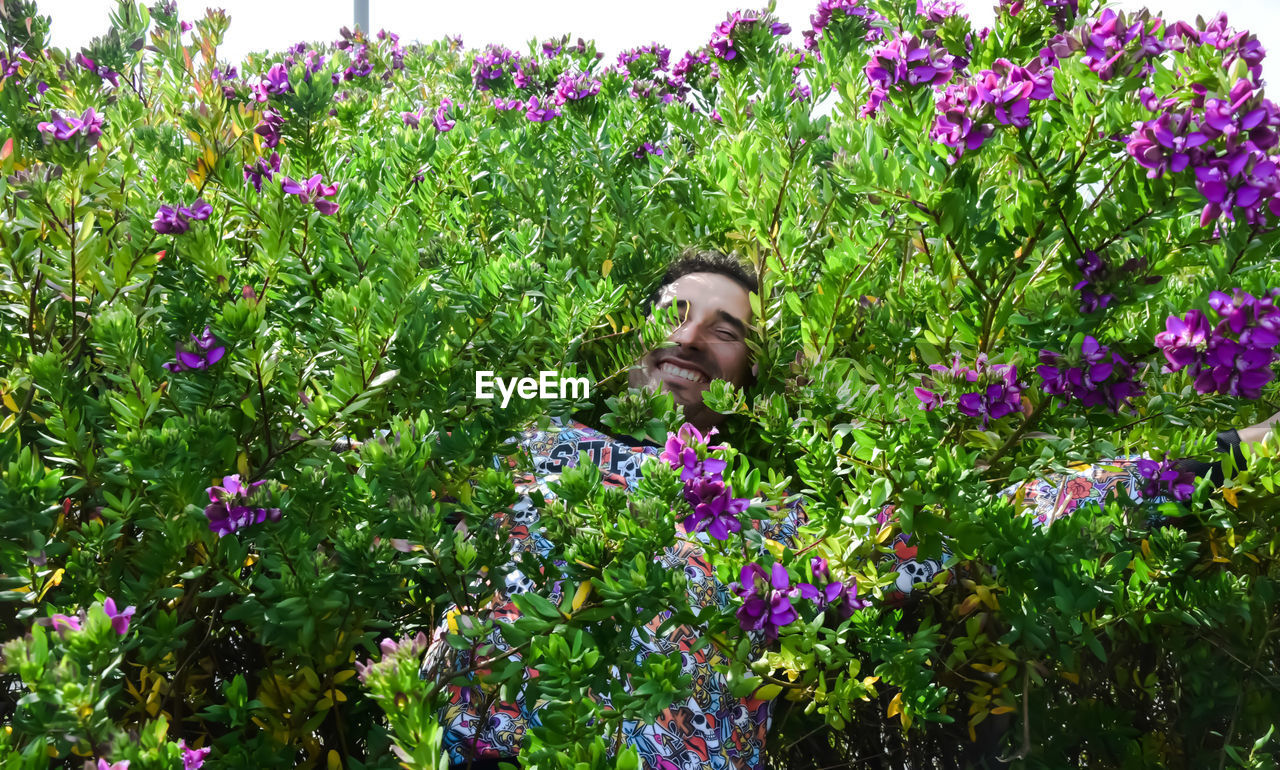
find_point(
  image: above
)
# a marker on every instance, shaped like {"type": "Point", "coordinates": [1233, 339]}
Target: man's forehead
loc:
{"type": "Point", "coordinates": [711, 291]}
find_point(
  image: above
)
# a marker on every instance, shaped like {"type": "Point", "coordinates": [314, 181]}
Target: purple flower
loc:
{"type": "Point", "coordinates": [412, 119]}
{"type": "Point", "coordinates": [904, 60]}
{"type": "Point", "coordinates": [269, 128]}
{"type": "Point", "coordinates": [575, 87]}
{"type": "Point", "coordinates": [766, 599]}
{"type": "Point", "coordinates": [276, 82]}
{"type": "Point", "coordinates": [715, 509]}
{"type": "Point", "coordinates": [170, 221]}
{"type": "Point", "coordinates": [441, 121]}
{"type": "Point", "coordinates": [1095, 376]}
{"type": "Point", "coordinates": [647, 148]}
{"type": "Point", "coordinates": [230, 506]}
{"type": "Point", "coordinates": [837, 11]}
{"type": "Point", "coordinates": [262, 169]}
{"type": "Point", "coordinates": [63, 623]}
{"type": "Point", "coordinates": [199, 211]}
{"type": "Point", "coordinates": [193, 759]}
{"type": "Point", "coordinates": [87, 128]}
{"type": "Point", "coordinates": [101, 70]}
{"type": "Point", "coordinates": [1184, 340]}
{"type": "Point", "coordinates": [507, 105]}
{"type": "Point", "coordinates": [201, 354]}
{"type": "Point", "coordinates": [119, 619]}
{"type": "Point", "coordinates": [541, 113]}
{"type": "Point", "coordinates": [488, 66]}
{"type": "Point", "coordinates": [1164, 480]}
{"type": "Point", "coordinates": [999, 399]}
{"type": "Point", "coordinates": [121, 765]}
{"type": "Point", "coordinates": [313, 191]}
{"type": "Point", "coordinates": [681, 455]}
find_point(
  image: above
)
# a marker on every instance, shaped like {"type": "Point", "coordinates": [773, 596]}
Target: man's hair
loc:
{"type": "Point", "coordinates": [704, 261]}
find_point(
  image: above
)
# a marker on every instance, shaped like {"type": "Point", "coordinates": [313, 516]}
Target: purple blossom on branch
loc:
{"type": "Point", "coordinates": [715, 509]}
{"type": "Point", "coordinates": [907, 60]}
{"type": "Point", "coordinates": [193, 759]}
{"type": "Point", "coordinates": [1165, 480]}
{"type": "Point", "coordinates": [441, 120]}
{"type": "Point", "coordinates": [1095, 376]}
{"type": "Point", "coordinates": [87, 128]}
{"type": "Point", "coordinates": [262, 169]}
{"type": "Point", "coordinates": [231, 506]}
{"type": "Point", "coordinates": [202, 353]}
{"type": "Point", "coordinates": [541, 112]}
{"type": "Point", "coordinates": [119, 618]}
{"type": "Point", "coordinates": [269, 128]}
{"type": "Point", "coordinates": [101, 70]}
{"type": "Point", "coordinates": [275, 82]}
{"type": "Point", "coordinates": [1233, 358]}
{"type": "Point", "coordinates": [313, 191]}
{"type": "Point", "coordinates": [766, 599]}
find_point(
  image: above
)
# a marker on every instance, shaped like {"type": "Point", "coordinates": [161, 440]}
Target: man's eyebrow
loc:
{"type": "Point", "coordinates": [733, 321]}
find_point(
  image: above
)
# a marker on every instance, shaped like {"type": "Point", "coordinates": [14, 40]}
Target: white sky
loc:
{"type": "Point", "coordinates": [678, 24]}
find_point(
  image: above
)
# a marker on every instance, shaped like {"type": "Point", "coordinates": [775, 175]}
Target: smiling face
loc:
{"type": "Point", "coordinates": [710, 343]}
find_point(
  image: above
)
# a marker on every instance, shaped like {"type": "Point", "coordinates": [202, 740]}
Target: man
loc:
{"type": "Point", "coordinates": [710, 294]}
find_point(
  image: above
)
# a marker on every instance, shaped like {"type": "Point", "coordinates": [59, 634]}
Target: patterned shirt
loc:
{"type": "Point", "coordinates": [708, 729]}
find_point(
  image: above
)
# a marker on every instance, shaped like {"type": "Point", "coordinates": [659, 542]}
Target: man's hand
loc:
{"type": "Point", "coordinates": [1255, 433]}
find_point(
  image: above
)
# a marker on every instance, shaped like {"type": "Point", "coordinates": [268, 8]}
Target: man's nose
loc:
{"type": "Point", "coordinates": [686, 334]}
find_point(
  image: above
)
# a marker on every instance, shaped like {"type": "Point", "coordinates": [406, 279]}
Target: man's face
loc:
{"type": "Point", "coordinates": [710, 343]}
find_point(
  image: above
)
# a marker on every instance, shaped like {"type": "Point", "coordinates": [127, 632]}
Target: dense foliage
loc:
{"type": "Point", "coordinates": [985, 254]}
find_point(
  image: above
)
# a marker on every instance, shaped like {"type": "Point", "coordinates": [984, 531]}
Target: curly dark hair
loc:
{"type": "Point", "coordinates": [704, 261]}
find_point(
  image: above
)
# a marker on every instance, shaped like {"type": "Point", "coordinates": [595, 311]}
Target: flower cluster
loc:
{"type": "Point", "coordinates": [572, 87]}
{"type": "Point", "coordinates": [313, 192]}
{"type": "Point", "coordinates": [1101, 279]}
{"type": "Point", "coordinates": [232, 506]}
{"type": "Point", "coordinates": [541, 112]}
{"type": "Point", "coordinates": [1003, 93]}
{"type": "Point", "coordinates": [84, 131]}
{"type": "Point", "coordinates": [275, 82]}
{"type": "Point", "coordinates": [738, 27]}
{"type": "Point", "coordinates": [938, 11]}
{"type": "Point", "coordinates": [907, 60]}
{"type": "Point", "coordinates": [202, 353]}
{"type": "Point", "coordinates": [829, 11]}
{"type": "Point", "coordinates": [715, 509]}
{"type": "Point", "coordinates": [226, 78]}
{"type": "Point", "coordinates": [488, 66]}
{"type": "Point", "coordinates": [176, 221]}
{"type": "Point", "coordinates": [1233, 358]}
{"type": "Point", "coordinates": [768, 597]}
{"type": "Point", "coordinates": [648, 148]}
{"type": "Point", "coordinates": [1112, 47]}
{"type": "Point", "coordinates": [264, 168]}
{"type": "Point", "coordinates": [647, 59]}
{"type": "Point", "coordinates": [269, 128]}
{"type": "Point", "coordinates": [441, 120]}
{"type": "Point", "coordinates": [101, 70]}
{"type": "Point", "coordinates": [412, 647]}
{"type": "Point", "coordinates": [119, 618]}
{"type": "Point", "coordinates": [193, 759]}
{"type": "Point", "coordinates": [1225, 139]}
{"type": "Point", "coordinates": [1095, 377]}
{"type": "Point", "coordinates": [1164, 479]}
{"type": "Point", "coordinates": [987, 392]}
{"type": "Point", "coordinates": [831, 593]}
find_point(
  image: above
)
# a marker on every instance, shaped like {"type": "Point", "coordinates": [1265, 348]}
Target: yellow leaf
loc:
{"type": "Point", "coordinates": [580, 597]}
{"type": "Point", "coordinates": [606, 268]}
{"type": "Point", "coordinates": [1002, 710]}
{"type": "Point", "coordinates": [333, 761]}
{"type": "Point", "coordinates": [1146, 548]}
{"type": "Point", "coordinates": [55, 579]}
{"type": "Point", "coordinates": [343, 676]}
{"type": "Point", "coordinates": [1229, 494]}
{"type": "Point", "coordinates": [768, 692]}
{"type": "Point", "coordinates": [9, 402]}
{"type": "Point", "coordinates": [1071, 677]}
{"type": "Point", "coordinates": [895, 706]}
{"type": "Point", "coordinates": [242, 463]}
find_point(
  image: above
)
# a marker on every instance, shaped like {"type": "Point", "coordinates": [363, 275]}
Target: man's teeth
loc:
{"type": "Point", "coordinates": [685, 373]}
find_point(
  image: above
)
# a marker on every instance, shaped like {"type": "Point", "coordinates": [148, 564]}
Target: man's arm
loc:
{"type": "Point", "coordinates": [1230, 441]}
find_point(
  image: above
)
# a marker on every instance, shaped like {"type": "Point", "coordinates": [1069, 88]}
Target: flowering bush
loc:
{"type": "Point", "coordinates": [244, 305]}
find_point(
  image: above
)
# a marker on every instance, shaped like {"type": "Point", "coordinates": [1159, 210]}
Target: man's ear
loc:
{"type": "Point", "coordinates": [755, 370]}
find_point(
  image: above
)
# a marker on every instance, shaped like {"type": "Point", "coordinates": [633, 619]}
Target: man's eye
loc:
{"type": "Point", "coordinates": [728, 334]}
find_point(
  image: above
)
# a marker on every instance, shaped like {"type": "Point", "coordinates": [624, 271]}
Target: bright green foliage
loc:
{"type": "Point", "coordinates": [352, 342]}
